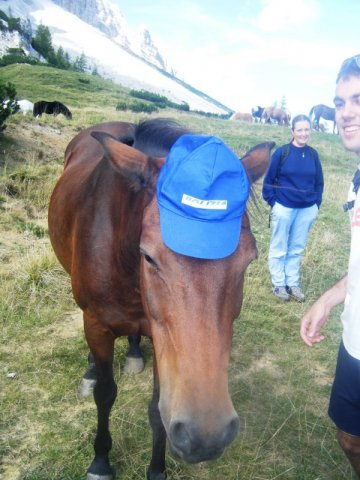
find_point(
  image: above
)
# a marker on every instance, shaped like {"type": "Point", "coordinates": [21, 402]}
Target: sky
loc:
{"type": "Point", "coordinates": [245, 53]}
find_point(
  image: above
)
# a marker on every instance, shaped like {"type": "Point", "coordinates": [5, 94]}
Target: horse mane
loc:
{"type": "Point", "coordinates": [156, 137]}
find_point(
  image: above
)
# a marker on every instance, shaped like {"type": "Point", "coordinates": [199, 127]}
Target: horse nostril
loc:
{"type": "Point", "coordinates": [231, 430]}
{"type": "Point", "coordinates": [180, 437]}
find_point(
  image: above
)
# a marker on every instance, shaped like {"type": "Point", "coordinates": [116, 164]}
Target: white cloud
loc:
{"type": "Point", "coordinates": [285, 14]}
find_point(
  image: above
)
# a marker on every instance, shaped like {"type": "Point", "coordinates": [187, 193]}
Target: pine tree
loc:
{"type": "Point", "coordinates": [80, 64]}
{"type": "Point", "coordinates": [62, 59]}
{"type": "Point", "coordinates": [42, 43]}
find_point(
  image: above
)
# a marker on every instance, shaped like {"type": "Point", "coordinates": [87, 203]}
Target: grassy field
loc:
{"type": "Point", "coordinates": [279, 386]}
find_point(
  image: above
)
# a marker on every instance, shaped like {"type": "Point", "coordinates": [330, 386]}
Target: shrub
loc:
{"type": "Point", "coordinates": [122, 106]}
{"type": "Point", "coordinates": [8, 103]}
{"type": "Point", "coordinates": [136, 107]}
{"type": "Point", "coordinates": [179, 106]}
{"type": "Point", "coordinates": [142, 107]}
{"type": "Point", "coordinates": [149, 96]}
{"type": "Point", "coordinates": [160, 100]}
{"type": "Point", "coordinates": [15, 58]}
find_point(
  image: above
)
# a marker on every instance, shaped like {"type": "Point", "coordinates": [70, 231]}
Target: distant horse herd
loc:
{"type": "Point", "coordinates": [282, 117]}
{"type": "Point", "coordinates": [272, 115]}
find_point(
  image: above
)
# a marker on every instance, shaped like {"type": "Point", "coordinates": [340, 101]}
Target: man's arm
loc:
{"type": "Point", "coordinates": [317, 315]}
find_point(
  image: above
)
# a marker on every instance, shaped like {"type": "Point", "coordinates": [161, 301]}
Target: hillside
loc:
{"type": "Point", "coordinates": [72, 88]}
{"type": "Point", "coordinates": [113, 60]}
{"type": "Point", "coordinates": [279, 387]}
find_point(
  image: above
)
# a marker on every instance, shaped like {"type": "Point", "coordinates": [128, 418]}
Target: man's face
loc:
{"type": "Point", "coordinates": [347, 115]}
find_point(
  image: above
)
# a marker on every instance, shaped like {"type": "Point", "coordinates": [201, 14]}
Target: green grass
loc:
{"type": "Point", "coordinates": [279, 386]}
{"type": "Point", "coordinates": [46, 83]}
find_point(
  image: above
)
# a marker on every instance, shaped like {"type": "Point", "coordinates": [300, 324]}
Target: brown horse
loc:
{"type": "Point", "coordinates": [276, 114]}
{"type": "Point", "coordinates": [104, 228]}
{"type": "Point", "coordinates": [242, 117]}
{"type": "Point", "coordinates": [322, 111]}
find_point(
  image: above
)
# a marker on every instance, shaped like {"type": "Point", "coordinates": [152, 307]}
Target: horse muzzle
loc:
{"type": "Point", "coordinates": [193, 444]}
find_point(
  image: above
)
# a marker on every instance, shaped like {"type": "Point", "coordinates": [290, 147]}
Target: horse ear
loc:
{"type": "Point", "coordinates": [257, 159]}
{"type": "Point", "coordinates": [132, 164]}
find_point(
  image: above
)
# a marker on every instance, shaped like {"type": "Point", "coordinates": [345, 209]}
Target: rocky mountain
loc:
{"type": "Point", "coordinates": [106, 17]}
{"type": "Point", "coordinates": [97, 29]}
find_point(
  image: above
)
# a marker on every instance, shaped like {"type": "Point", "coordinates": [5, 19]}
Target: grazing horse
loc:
{"type": "Point", "coordinates": [322, 111]}
{"type": "Point", "coordinates": [104, 225]}
{"type": "Point", "coordinates": [276, 114]}
{"type": "Point", "coordinates": [25, 106]}
{"type": "Point", "coordinates": [242, 117]}
{"type": "Point", "coordinates": [51, 108]}
{"type": "Point", "coordinates": [257, 112]}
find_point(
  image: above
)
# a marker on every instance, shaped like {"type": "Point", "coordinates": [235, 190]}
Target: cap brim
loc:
{"type": "Point", "coordinates": [199, 239]}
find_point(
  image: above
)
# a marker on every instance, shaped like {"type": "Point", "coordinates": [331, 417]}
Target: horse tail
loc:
{"type": "Point", "coordinates": [311, 112]}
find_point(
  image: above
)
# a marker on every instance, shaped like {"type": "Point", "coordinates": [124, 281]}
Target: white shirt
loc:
{"type": "Point", "coordinates": [351, 315]}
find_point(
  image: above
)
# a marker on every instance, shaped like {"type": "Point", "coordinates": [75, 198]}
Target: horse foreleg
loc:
{"type": "Point", "coordinates": [156, 470]}
{"type": "Point", "coordinates": [105, 391]}
{"type": "Point", "coordinates": [88, 381]}
{"type": "Point", "coordinates": [317, 122]}
{"type": "Point", "coordinates": [134, 362]}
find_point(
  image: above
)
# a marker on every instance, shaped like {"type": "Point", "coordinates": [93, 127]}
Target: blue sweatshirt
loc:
{"type": "Point", "coordinates": [301, 181]}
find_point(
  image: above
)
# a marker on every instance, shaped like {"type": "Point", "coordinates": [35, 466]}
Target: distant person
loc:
{"type": "Point", "coordinates": [293, 188]}
{"type": "Point", "coordinates": [344, 408]}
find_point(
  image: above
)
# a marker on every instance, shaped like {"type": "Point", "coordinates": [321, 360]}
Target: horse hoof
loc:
{"type": "Point", "coordinates": [86, 388]}
{"type": "Point", "coordinates": [133, 365]}
{"type": "Point", "coordinates": [155, 476]}
{"type": "Point", "coordinates": [94, 476]}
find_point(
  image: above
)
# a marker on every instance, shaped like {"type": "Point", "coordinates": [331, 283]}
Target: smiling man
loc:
{"type": "Point", "coordinates": [344, 408]}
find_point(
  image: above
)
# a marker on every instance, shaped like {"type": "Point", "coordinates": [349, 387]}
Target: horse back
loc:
{"type": "Point", "coordinates": [94, 226]}
{"type": "Point", "coordinates": [84, 148]}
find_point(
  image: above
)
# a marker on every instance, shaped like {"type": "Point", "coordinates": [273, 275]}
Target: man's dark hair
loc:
{"type": "Point", "coordinates": [350, 66]}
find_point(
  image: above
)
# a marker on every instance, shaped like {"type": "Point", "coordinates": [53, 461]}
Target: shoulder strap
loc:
{"type": "Point", "coordinates": [285, 150]}
{"type": "Point", "coordinates": [356, 181]}
{"type": "Point", "coordinates": [356, 184]}
{"type": "Point", "coordinates": [313, 153]}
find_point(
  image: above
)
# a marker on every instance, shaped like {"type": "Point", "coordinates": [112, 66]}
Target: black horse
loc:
{"type": "Point", "coordinates": [322, 111]}
{"type": "Point", "coordinates": [51, 108]}
{"type": "Point", "coordinates": [257, 112]}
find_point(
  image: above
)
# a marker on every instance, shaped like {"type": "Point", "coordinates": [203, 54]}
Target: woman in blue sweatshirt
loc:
{"type": "Point", "coordinates": [293, 187]}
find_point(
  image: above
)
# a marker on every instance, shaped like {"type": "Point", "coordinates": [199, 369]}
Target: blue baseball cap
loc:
{"type": "Point", "coordinates": [202, 192]}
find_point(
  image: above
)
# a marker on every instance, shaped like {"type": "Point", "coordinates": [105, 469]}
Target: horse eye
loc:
{"type": "Point", "coordinates": [149, 260]}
